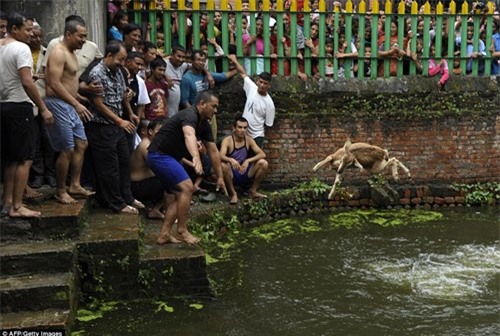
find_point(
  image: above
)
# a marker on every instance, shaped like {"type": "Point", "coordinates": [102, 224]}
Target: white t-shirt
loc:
{"type": "Point", "coordinates": [14, 56]}
{"type": "Point", "coordinates": [143, 98]}
{"type": "Point", "coordinates": [174, 93]}
{"type": "Point", "coordinates": [259, 110]}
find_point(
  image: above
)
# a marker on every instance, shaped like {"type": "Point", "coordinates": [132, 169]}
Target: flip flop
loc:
{"type": "Point", "coordinates": [210, 197]}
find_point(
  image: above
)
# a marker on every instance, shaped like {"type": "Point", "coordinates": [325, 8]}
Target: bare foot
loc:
{"type": "Point", "coordinates": [23, 212]}
{"type": "Point", "coordinates": [129, 210]}
{"type": "Point", "coordinates": [65, 198]}
{"type": "Point", "coordinates": [167, 238]}
{"type": "Point", "coordinates": [31, 194]}
{"type": "Point", "coordinates": [80, 191]}
{"type": "Point", "coordinates": [137, 204]}
{"type": "Point", "coordinates": [155, 214]}
{"type": "Point", "coordinates": [187, 238]}
{"type": "Point", "coordinates": [256, 195]}
{"type": "Point", "coordinates": [234, 199]}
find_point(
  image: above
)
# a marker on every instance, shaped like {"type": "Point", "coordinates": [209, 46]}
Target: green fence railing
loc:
{"type": "Point", "coordinates": [360, 26]}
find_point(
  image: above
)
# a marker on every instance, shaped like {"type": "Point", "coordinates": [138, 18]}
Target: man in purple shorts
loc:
{"type": "Point", "coordinates": [67, 136]}
{"type": "Point", "coordinates": [239, 167]}
{"type": "Point", "coordinates": [177, 139]}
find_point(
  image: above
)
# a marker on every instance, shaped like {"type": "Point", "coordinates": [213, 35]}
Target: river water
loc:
{"type": "Point", "coordinates": [373, 273]}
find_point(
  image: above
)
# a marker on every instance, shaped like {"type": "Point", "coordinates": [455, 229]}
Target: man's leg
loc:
{"type": "Point", "coordinates": [8, 184]}
{"type": "Point", "coordinates": [257, 172]}
{"type": "Point", "coordinates": [168, 221]}
{"type": "Point", "coordinates": [228, 180]}
{"type": "Point", "coordinates": [183, 196]}
{"type": "Point", "coordinates": [21, 173]}
{"type": "Point", "coordinates": [76, 164]}
{"type": "Point", "coordinates": [62, 167]}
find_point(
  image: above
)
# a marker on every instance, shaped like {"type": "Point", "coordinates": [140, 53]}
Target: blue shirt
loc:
{"type": "Point", "coordinates": [192, 84]}
{"type": "Point", "coordinates": [495, 68]}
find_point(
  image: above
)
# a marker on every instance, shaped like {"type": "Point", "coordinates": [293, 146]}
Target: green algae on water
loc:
{"type": "Point", "coordinates": [196, 306]}
{"type": "Point", "coordinates": [163, 306]}
{"type": "Point", "coordinates": [385, 218]}
{"type": "Point", "coordinates": [85, 315]}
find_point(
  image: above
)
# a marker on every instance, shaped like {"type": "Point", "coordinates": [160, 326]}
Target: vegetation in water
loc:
{"type": "Point", "coordinates": [163, 306]}
{"type": "Point", "coordinates": [196, 306]}
{"type": "Point", "coordinates": [95, 311]}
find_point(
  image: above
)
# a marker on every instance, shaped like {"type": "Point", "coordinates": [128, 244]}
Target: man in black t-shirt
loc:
{"type": "Point", "coordinates": [177, 139]}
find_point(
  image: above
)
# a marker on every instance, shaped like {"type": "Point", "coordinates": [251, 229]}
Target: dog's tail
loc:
{"type": "Point", "coordinates": [322, 163]}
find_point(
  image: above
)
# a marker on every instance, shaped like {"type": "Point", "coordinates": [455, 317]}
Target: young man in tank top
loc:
{"type": "Point", "coordinates": [239, 167]}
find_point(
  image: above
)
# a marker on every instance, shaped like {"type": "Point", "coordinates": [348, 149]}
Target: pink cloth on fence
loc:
{"type": "Point", "coordinates": [439, 68]}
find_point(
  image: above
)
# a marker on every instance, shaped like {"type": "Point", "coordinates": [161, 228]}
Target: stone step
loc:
{"type": "Point", "coordinates": [37, 292]}
{"type": "Point", "coordinates": [108, 252]}
{"type": "Point", "coordinates": [58, 221]}
{"type": "Point", "coordinates": [43, 320]}
{"type": "Point", "coordinates": [173, 269]}
{"type": "Point", "coordinates": [42, 257]}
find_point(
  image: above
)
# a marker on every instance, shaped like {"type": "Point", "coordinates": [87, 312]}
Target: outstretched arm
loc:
{"type": "Point", "coordinates": [238, 66]}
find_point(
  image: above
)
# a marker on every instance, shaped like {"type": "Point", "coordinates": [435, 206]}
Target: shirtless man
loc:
{"type": "Point", "coordinates": [67, 136]}
{"type": "Point", "coordinates": [238, 167]}
{"type": "Point", "coordinates": [145, 185]}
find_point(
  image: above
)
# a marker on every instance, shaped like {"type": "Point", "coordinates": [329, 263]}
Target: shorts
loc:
{"type": "Point", "coordinates": [240, 179]}
{"type": "Point", "coordinates": [67, 125]}
{"type": "Point", "coordinates": [167, 169]}
{"type": "Point", "coordinates": [260, 142]}
{"type": "Point", "coordinates": [18, 136]}
{"type": "Point", "coordinates": [147, 190]}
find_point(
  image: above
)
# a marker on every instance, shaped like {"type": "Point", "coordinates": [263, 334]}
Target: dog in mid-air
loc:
{"type": "Point", "coordinates": [367, 157]}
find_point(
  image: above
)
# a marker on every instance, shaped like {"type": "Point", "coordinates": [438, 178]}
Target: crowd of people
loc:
{"type": "Point", "coordinates": [348, 54]}
{"type": "Point", "coordinates": [128, 127]}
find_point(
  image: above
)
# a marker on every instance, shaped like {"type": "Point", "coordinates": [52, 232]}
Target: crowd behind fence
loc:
{"type": "Point", "coordinates": [300, 37]}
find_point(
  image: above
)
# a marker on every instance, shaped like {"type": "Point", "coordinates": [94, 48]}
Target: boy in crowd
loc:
{"type": "Point", "coordinates": [158, 91]}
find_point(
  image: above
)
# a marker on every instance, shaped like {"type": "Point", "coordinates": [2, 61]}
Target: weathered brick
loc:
{"type": "Point", "coordinates": [404, 201]}
{"type": "Point", "coordinates": [353, 203]}
{"type": "Point", "coordinates": [333, 203]}
{"type": "Point", "coordinates": [407, 193]}
{"type": "Point", "coordinates": [416, 200]}
{"type": "Point", "coordinates": [428, 199]}
{"type": "Point", "coordinates": [439, 200]}
{"type": "Point", "coordinates": [449, 200]}
{"type": "Point", "coordinates": [364, 201]}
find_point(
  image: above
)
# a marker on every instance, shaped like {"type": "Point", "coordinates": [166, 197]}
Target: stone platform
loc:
{"type": "Point", "coordinates": [81, 252]}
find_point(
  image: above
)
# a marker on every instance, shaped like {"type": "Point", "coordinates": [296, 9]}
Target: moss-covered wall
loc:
{"type": "Point", "coordinates": [449, 135]}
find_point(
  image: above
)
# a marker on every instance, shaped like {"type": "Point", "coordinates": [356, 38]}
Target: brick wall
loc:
{"type": "Point", "coordinates": [456, 143]}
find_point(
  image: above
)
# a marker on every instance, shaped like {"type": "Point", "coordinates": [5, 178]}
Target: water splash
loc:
{"type": "Point", "coordinates": [463, 273]}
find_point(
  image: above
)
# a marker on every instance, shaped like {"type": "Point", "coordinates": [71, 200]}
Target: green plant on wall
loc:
{"type": "Point", "coordinates": [145, 278]}
{"type": "Point", "coordinates": [377, 180]}
{"type": "Point", "coordinates": [479, 193]}
{"type": "Point", "coordinates": [257, 209]}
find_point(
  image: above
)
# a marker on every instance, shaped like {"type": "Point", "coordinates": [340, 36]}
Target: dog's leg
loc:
{"type": "Point", "coordinates": [357, 164]}
{"type": "Point", "coordinates": [394, 168]}
{"type": "Point", "coordinates": [322, 163]}
{"type": "Point", "coordinates": [406, 170]}
{"type": "Point", "coordinates": [337, 181]}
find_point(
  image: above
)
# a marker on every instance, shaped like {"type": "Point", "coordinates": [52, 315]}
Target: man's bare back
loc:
{"type": "Point", "coordinates": [139, 170]}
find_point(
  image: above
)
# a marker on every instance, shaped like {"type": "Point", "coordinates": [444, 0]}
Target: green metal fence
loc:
{"type": "Point", "coordinates": [363, 23]}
